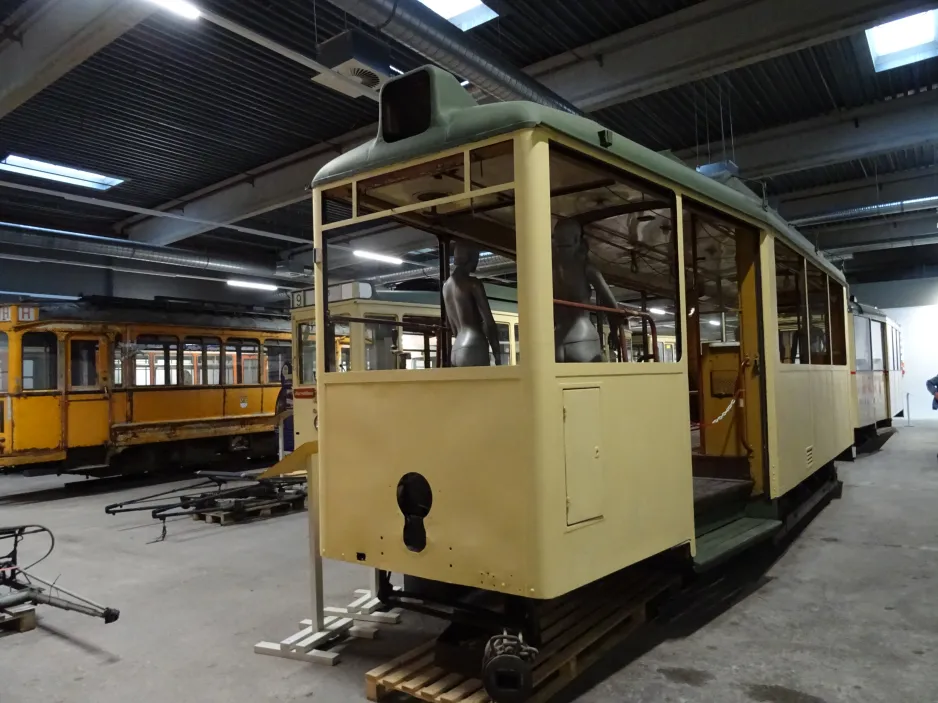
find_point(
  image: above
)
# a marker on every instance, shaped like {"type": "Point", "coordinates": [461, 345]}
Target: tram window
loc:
{"type": "Point", "coordinates": [117, 362]}
{"type": "Point", "coordinates": [156, 361]}
{"type": "Point", "coordinates": [517, 346]}
{"type": "Point", "coordinates": [4, 362]}
{"type": "Point", "coordinates": [418, 342]}
{"type": "Point", "coordinates": [614, 245]}
{"type": "Point", "coordinates": [307, 355]}
{"type": "Point", "coordinates": [861, 338]}
{"type": "Point", "coordinates": [876, 337]}
{"type": "Point", "coordinates": [504, 344]}
{"type": "Point", "coordinates": [241, 361]}
{"type": "Point", "coordinates": [277, 352]}
{"type": "Point", "coordinates": [200, 361]}
{"type": "Point", "coordinates": [838, 330]}
{"type": "Point", "coordinates": [83, 370]}
{"type": "Point", "coordinates": [819, 332]}
{"type": "Point", "coordinates": [791, 305]}
{"type": "Point", "coordinates": [40, 361]}
{"type": "Point", "coordinates": [380, 341]}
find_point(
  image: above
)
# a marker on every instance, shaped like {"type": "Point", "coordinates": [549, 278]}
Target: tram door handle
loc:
{"type": "Point", "coordinates": [756, 366]}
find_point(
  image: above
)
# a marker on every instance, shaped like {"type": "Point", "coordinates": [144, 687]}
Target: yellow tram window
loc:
{"type": "Point", "coordinates": [241, 361]}
{"type": "Point", "coordinates": [861, 338]}
{"type": "Point", "coordinates": [504, 343]}
{"type": "Point", "coordinates": [819, 332]}
{"type": "Point", "coordinates": [4, 361]}
{"type": "Point", "coordinates": [615, 235]}
{"type": "Point", "coordinates": [200, 361]}
{"type": "Point", "coordinates": [838, 327]}
{"type": "Point", "coordinates": [83, 368]}
{"type": "Point", "coordinates": [792, 305]}
{"type": "Point", "coordinates": [307, 355]}
{"type": "Point", "coordinates": [40, 361]}
{"type": "Point", "coordinates": [876, 335]}
{"type": "Point", "coordinates": [117, 362]}
{"type": "Point", "coordinates": [277, 352]}
{"type": "Point", "coordinates": [156, 361]}
{"type": "Point", "coordinates": [380, 339]}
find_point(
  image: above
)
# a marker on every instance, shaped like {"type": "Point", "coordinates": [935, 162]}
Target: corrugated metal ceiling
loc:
{"type": "Point", "coordinates": [173, 107]}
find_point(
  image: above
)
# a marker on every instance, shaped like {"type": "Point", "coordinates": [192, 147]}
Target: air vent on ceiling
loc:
{"type": "Point", "coordinates": [355, 55]}
{"type": "Point", "coordinates": [809, 457]}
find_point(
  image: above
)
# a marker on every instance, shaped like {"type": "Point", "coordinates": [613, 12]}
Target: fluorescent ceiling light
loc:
{"type": "Point", "coordinates": [179, 7]}
{"type": "Point", "coordinates": [251, 284]}
{"type": "Point", "coordinates": [46, 296]}
{"type": "Point", "coordinates": [378, 257]}
{"type": "Point", "coordinates": [55, 172]}
{"type": "Point", "coordinates": [465, 14]}
{"type": "Point", "coordinates": [715, 323]}
{"type": "Point", "coordinates": [904, 41]}
{"type": "Point", "coordinates": [464, 83]}
{"type": "Point", "coordinates": [395, 69]}
{"type": "Point", "coordinates": [657, 311]}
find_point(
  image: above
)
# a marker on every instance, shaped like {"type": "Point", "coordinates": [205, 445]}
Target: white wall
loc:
{"type": "Point", "coordinates": [920, 354]}
{"type": "Point", "coordinates": [897, 294]}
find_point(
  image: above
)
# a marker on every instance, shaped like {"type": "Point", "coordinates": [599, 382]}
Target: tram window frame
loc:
{"type": "Point", "coordinates": [816, 282]}
{"type": "Point", "coordinates": [797, 267]}
{"type": "Point", "coordinates": [379, 323]}
{"type": "Point", "coordinates": [236, 345]}
{"type": "Point", "coordinates": [601, 225]}
{"type": "Point", "coordinates": [202, 348]}
{"type": "Point", "coordinates": [504, 344]}
{"type": "Point", "coordinates": [116, 358]}
{"type": "Point", "coordinates": [284, 353]}
{"type": "Point", "coordinates": [4, 363]}
{"type": "Point", "coordinates": [838, 328]}
{"type": "Point", "coordinates": [877, 343]}
{"type": "Point", "coordinates": [48, 356]}
{"type": "Point", "coordinates": [429, 342]}
{"type": "Point", "coordinates": [306, 352]}
{"type": "Point", "coordinates": [151, 343]}
{"type": "Point", "coordinates": [860, 325]}
{"type": "Point", "coordinates": [82, 365]}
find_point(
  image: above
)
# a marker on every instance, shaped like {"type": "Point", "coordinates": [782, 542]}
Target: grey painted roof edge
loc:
{"type": "Point", "coordinates": [455, 127]}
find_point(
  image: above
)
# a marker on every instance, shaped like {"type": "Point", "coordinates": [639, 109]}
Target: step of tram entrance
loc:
{"type": "Point", "coordinates": [718, 501]}
{"type": "Point", "coordinates": [718, 545]}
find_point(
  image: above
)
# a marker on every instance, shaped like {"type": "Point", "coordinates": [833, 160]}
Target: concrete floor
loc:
{"type": "Point", "coordinates": [848, 613]}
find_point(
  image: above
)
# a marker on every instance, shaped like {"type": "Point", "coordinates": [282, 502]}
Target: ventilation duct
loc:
{"type": "Point", "coordinates": [425, 32]}
{"type": "Point", "coordinates": [489, 265]}
{"type": "Point", "coordinates": [867, 211]}
{"type": "Point", "coordinates": [356, 56]}
{"type": "Point", "coordinates": [122, 249]}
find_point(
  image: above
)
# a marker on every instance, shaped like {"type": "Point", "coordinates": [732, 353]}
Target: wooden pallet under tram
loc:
{"type": "Point", "coordinates": [18, 618]}
{"type": "Point", "coordinates": [578, 629]}
{"type": "Point", "coordinates": [264, 509]}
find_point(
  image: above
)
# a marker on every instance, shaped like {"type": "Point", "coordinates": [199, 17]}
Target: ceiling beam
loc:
{"type": "Point", "coordinates": [876, 190]}
{"type": "Point", "coordinates": [48, 38]}
{"type": "Point", "coordinates": [892, 125]}
{"type": "Point", "coordinates": [704, 40]}
{"type": "Point", "coordinates": [254, 192]}
{"type": "Point", "coordinates": [877, 234]}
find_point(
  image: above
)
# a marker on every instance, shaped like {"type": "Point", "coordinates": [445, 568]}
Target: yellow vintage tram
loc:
{"type": "Point", "coordinates": [103, 385]}
{"type": "Point", "coordinates": [876, 366]}
{"type": "Point", "coordinates": [525, 482]}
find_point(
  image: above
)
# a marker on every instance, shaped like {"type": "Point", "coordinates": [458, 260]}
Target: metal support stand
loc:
{"type": "Point", "coordinates": [322, 637]}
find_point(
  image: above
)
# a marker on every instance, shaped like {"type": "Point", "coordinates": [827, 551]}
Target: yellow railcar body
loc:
{"type": "Point", "coordinates": [99, 398]}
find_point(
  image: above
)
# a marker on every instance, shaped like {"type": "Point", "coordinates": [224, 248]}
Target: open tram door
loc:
{"type": "Point", "coordinates": [726, 381]}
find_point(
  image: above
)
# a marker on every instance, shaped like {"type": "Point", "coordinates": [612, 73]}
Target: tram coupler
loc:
{"type": "Point", "coordinates": [508, 668]}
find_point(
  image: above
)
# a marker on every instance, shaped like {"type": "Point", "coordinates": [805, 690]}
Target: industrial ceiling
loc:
{"type": "Point", "coordinates": [216, 121]}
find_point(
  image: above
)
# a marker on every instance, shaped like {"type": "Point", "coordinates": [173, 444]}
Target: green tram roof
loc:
{"type": "Point", "coordinates": [457, 120]}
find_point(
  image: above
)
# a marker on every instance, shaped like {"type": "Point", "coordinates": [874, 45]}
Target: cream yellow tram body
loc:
{"type": "Point", "coordinates": [535, 479]}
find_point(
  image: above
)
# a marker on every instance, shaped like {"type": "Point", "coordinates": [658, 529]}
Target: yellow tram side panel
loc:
{"type": "Point", "coordinates": [809, 414]}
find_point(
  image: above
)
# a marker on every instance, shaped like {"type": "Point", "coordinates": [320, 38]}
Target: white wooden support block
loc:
{"type": "Point", "coordinates": [330, 657]}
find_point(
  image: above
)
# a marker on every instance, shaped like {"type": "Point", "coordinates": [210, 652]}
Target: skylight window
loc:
{"type": "Point", "coordinates": [465, 14]}
{"type": "Point", "coordinates": [55, 172]}
{"type": "Point", "coordinates": [904, 41]}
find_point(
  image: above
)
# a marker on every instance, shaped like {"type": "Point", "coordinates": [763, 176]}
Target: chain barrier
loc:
{"type": "Point", "coordinates": [725, 412]}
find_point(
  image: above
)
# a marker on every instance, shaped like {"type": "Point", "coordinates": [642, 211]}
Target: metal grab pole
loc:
{"type": "Point", "coordinates": [908, 411]}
